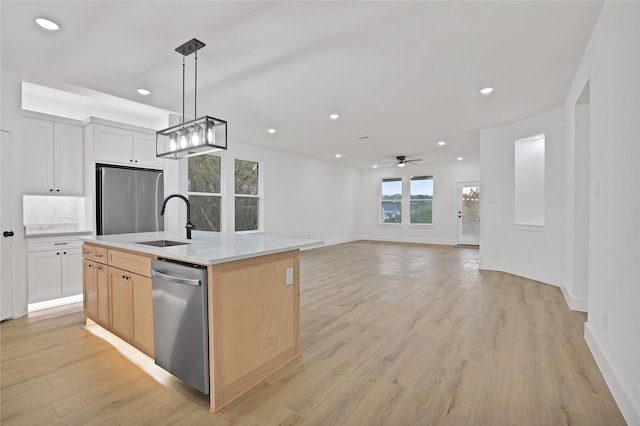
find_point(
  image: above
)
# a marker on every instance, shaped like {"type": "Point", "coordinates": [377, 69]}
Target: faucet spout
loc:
{"type": "Point", "coordinates": [189, 226]}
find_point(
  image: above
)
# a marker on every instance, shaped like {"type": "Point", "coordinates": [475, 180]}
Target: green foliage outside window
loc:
{"type": "Point", "coordinates": [247, 195]}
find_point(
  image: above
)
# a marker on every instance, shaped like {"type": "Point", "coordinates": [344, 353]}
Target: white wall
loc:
{"type": "Point", "coordinates": [303, 197]}
{"type": "Point", "coordinates": [11, 121]}
{"type": "Point", "coordinates": [532, 252]}
{"type": "Point", "coordinates": [445, 219]}
{"type": "Point", "coordinates": [611, 66]}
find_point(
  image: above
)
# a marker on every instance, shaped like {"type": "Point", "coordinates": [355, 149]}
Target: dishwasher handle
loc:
{"type": "Point", "coordinates": [174, 279]}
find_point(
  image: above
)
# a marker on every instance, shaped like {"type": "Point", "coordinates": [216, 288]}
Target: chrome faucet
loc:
{"type": "Point", "coordinates": [189, 226]}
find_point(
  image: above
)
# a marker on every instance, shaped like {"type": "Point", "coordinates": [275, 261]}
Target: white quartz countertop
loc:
{"type": "Point", "coordinates": [205, 248]}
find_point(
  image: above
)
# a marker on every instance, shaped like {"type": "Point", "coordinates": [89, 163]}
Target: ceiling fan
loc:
{"type": "Point", "coordinates": [401, 161]}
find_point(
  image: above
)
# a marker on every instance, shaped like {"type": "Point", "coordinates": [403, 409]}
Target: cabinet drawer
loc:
{"type": "Point", "coordinates": [97, 253]}
{"type": "Point", "coordinates": [138, 264]}
{"type": "Point", "coordinates": [52, 243]}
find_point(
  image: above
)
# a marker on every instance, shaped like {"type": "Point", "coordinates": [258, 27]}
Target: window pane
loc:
{"type": "Point", "coordinates": [247, 213]}
{"type": "Point", "coordinates": [392, 189]}
{"type": "Point", "coordinates": [205, 212]}
{"type": "Point", "coordinates": [421, 188]}
{"type": "Point", "coordinates": [204, 174]}
{"type": "Point", "coordinates": [391, 212]}
{"type": "Point", "coordinates": [421, 211]}
{"type": "Point", "coordinates": [246, 177]}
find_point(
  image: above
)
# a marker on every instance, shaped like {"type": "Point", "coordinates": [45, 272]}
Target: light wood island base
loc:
{"type": "Point", "coordinates": [254, 322]}
{"type": "Point", "coordinates": [253, 312]}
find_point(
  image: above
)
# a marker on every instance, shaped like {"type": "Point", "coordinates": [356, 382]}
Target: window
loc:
{"type": "Point", "coordinates": [391, 201]}
{"type": "Point", "coordinates": [247, 195]}
{"type": "Point", "coordinates": [421, 192]}
{"type": "Point", "coordinates": [529, 181]}
{"type": "Point", "coordinates": [204, 192]}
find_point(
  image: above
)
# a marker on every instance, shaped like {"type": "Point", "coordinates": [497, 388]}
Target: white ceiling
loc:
{"type": "Point", "coordinates": [406, 74]}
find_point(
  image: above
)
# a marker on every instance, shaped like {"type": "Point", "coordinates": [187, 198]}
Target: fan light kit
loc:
{"type": "Point", "coordinates": [486, 90]}
{"type": "Point", "coordinates": [47, 24]}
{"type": "Point", "coordinates": [204, 134]}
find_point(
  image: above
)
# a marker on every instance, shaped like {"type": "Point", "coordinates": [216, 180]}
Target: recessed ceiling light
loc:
{"type": "Point", "coordinates": [442, 143]}
{"type": "Point", "coordinates": [486, 90]}
{"type": "Point", "coordinates": [460, 158]}
{"type": "Point", "coordinates": [334, 116]}
{"type": "Point", "coordinates": [143, 92]}
{"type": "Point", "coordinates": [338, 155]}
{"type": "Point", "coordinates": [47, 24]}
{"type": "Point", "coordinates": [375, 166]}
{"type": "Point", "coordinates": [272, 131]}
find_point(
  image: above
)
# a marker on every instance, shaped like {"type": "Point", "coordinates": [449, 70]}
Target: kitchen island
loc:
{"type": "Point", "coordinates": [253, 298]}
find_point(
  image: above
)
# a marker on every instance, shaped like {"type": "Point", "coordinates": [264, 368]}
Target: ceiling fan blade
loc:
{"type": "Point", "coordinates": [414, 160]}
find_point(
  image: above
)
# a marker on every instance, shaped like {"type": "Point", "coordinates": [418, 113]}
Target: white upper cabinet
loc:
{"type": "Point", "coordinates": [115, 145]}
{"type": "Point", "coordinates": [53, 157]}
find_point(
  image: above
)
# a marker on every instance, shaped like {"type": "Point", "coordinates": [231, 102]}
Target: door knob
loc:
{"type": "Point", "coordinates": [7, 234]}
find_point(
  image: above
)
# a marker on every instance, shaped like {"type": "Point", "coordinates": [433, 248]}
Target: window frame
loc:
{"type": "Point", "coordinates": [220, 194]}
{"type": "Point", "coordinates": [410, 200]}
{"type": "Point", "coordinates": [381, 200]}
{"type": "Point", "coordinates": [259, 196]}
{"type": "Point", "coordinates": [405, 201]}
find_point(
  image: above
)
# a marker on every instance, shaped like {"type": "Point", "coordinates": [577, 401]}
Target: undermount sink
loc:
{"type": "Point", "coordinates": [162, 243]}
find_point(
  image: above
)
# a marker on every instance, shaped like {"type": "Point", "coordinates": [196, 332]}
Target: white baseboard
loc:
{"type": "Point", "coordinates": [408, 240]}
{"type": "Point", "coordinates": [332, 243]}
{"type": "Point", "coordinates": [575, 303]}
{"type": "Point", "coordinates": [622, 396]}
{"type": "Point", "coordinates": [32, 307]}
{"type": "Point", "coordinates": [532, 274]}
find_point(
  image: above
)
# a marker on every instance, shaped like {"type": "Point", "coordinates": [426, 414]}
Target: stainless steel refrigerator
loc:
{"type": "Point", "coordinates": [128, 200]}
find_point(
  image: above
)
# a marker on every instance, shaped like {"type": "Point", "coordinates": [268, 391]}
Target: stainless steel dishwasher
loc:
{"type": "Point", "coordinates": [180, 324]}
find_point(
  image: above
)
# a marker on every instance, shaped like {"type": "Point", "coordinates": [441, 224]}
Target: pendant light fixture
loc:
{"type": "Point", "coordinates": [204, 134]}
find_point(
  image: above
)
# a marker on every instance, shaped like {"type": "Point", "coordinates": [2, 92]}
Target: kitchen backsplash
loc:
{"type": "Point", "coordinates": [43, 214]}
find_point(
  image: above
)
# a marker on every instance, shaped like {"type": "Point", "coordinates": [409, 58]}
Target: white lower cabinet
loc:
{"type": "Point", "coordinates": [54, 268]}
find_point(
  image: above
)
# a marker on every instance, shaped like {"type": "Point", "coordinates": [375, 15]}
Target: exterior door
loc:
{"type": "Point", "coordinates": [6, 246]}
{"type": "Point", "coordinates": [469, 213]}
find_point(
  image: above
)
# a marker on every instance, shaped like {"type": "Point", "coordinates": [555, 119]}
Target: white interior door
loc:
{"type": "Point", "coordinates": [469, 213]}
{"type": "Point", "coordinates": [6, 261]}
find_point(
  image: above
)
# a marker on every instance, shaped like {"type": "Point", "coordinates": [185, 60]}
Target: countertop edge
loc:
{"type": "Point", "coordinates": [160, 252]}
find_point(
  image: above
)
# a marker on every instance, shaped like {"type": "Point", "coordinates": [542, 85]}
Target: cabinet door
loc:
{"type": "Point", "coordinates": [112, 144]}
{"type": "Point", "coordinates": [67, 156]}
{"type": "Point", "coordinates": [37, 161]}
{"type": "Point", "coordinates": [90, 289]}
{"type": "Point", "coordinates": [71, 272]}
{"type": "Point", "coordinates": [144, 151]}
{"type": "Point", "coordinates": [120, 302]}
{"type": "Point", "coordinates": [44, 275]}
{"type": "Point", "coordinates": [142, 314]}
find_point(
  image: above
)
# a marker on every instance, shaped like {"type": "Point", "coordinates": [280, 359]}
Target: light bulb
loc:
{"type": "Point", "coordinates": [172, 142]}
{"type": "Point", "coordinates": [183, 140]}
{"type": "Point", "coordinates": [195, 136]}
{"type": "Point", "coordinates": [210, 135]}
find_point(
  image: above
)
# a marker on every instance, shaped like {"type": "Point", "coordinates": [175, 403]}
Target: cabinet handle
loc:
{"type": "Point", "coordinates": [64, 252]}
{"type": "Point", "coordinates": [86, 252]}
{"type": "Point", "coordinates": [7, 234]}
{"type": "Point", "coordinates": [125, 277]}
{"type": "Point", "coordinates": [60, 244]}
{"type": "Point", "coordinates": [50, 189]}
{"type": "Point", "coordinates": [57, 190]}
{"type": "Point", "coordinates": [99, 255]}
{"type": "Point", "coordinates": [58, 253]}
{"type": "Point", "coordinates": [99, 268]}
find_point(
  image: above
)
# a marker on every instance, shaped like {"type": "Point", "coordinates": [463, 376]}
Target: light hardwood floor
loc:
{"type": "Point", "coordinates": [394, 334]}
